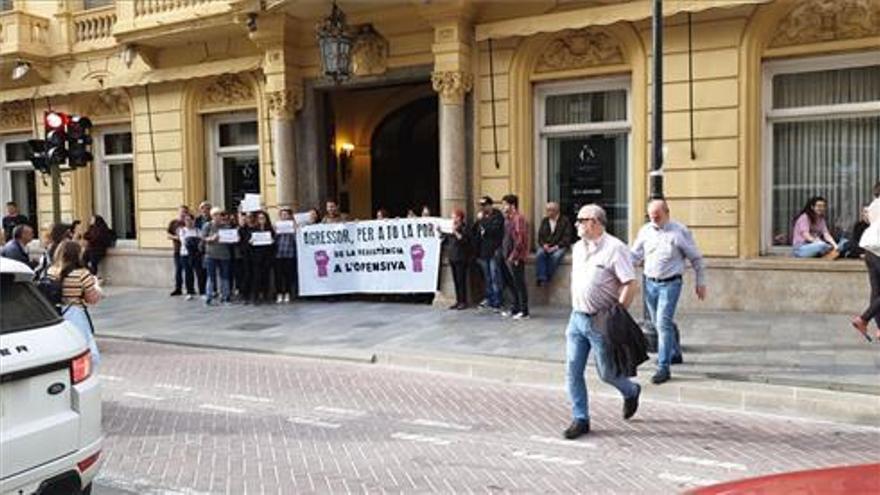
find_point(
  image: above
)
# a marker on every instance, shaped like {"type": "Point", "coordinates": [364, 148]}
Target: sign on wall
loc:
{"type": "Point", "coordinates": [378, 256]}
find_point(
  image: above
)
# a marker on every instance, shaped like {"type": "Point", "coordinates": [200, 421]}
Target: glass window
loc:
{"type": "Point", "coordinates": [122, 199]}
{"type": "Point", "coordinates": [238, 134]}
{"type": "Point", "coordinates": [17, 151]}
{"type": "Point", "coordinates": [24, 192]}
{"type": "Point", "coordinates": [6, 5]}
{"type": "Point", "coordinates": [584, 108]}
{"type": "Point", "coordinates": [828, 154]}
{"type": "Point", "coordinates": [23, 306]}
{"type": "Point", "coordinates": [241, 175]}
{"type": "Point", "coordinates": [117, 144]}
{"type": "Point", "coordinates": [94, 4]}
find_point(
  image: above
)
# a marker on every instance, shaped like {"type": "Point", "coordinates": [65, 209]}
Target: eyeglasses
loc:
{"type": "Point", "coordinates": [585, 220]}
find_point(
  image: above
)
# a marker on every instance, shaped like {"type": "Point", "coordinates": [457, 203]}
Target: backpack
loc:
{"type": "Point", "coordinates": [52, 289]}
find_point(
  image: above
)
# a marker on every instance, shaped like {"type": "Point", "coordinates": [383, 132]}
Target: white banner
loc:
{"type": "Point", "coordinates": [378, 256]}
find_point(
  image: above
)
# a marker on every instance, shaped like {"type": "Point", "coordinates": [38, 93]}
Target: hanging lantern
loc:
{"type": "Point", "coordinates": [335, 42]}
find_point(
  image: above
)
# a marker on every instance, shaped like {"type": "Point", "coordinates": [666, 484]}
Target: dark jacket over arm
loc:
{"type": "Point", "coordinates": [560, 237]}
{"type": "Point", "coordinates": [626, 346]}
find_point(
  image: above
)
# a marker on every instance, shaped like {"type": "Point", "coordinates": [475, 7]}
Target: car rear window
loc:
{"type": "Point", "coordinates": [22, 307]}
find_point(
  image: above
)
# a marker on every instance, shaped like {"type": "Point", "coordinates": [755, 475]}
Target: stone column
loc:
{"type": "Point", "coordinates": [452, 87]}
{"type": "Point", "coordinates": [282, 106]}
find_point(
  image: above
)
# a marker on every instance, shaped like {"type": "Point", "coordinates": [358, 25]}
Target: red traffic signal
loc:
{"type": "Point", "coordinates": [56, 138]}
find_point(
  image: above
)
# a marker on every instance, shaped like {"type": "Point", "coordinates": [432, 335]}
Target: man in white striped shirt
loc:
{"type": "Point", "coordinates": [663, 245]}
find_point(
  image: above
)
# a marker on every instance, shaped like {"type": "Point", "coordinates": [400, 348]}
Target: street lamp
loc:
{"type": "Point", "coordinates": [20, 70]}
{"type": "Point", "coordinates": [335, 42]}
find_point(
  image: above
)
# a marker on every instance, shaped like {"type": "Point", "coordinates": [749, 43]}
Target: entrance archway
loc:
{"type": "Point", "coordinates": [405, 159]}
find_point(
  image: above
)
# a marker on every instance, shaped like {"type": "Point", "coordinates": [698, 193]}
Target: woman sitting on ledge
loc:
{"type": "Point", "coordinates": [811, 238]}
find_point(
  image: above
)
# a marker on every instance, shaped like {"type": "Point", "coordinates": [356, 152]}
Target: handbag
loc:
{"type": "Point", "coordinates": [870, 240]}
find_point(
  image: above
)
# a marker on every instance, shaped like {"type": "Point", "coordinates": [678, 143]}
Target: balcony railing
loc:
{"type": "Point", "coordinates": [23, 34]}
{"type": "Point", "coordinates": [150, 7]}
{"type": "Point", "coordinates": [94, 25]}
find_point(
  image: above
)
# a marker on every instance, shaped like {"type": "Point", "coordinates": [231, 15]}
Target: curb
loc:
{"type": "Point", "coordinates": [690, 389]}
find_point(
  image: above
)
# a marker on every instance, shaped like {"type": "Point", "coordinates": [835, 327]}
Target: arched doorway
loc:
{"type": "Point", "coordinates": [405, 159]}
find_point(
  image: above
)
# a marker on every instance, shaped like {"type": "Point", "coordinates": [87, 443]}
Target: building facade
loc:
{"type": "Point", "coordinates": [766, 103]}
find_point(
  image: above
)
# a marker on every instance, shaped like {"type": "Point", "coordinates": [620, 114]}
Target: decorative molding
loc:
{"type": "Point", "coordinates": [226, 90]}
{"type": "Point", "coordinates": [111, 102]}
{"type": "Point", "coordinates": [16, 115]}
{"type": "Point", "coordinates": [578, 49]}
{"type": "Point", "coordinates": [370, 52]}
{"type": "Point", "coordinates": [452, 85]}
{"type": "Point", "coordinates": [828, 20]}
{"type": "Point", "coordinates": [284, 104]}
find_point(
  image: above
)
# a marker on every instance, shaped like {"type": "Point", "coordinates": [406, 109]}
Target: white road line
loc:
{"type": "Point", "coordinates": [340, 411]}
{"type": "Point", "coordinates": [110, 378]}
{"type": "Point", "coordinates": [438, 424]}
{"type": "Point", "coordinates": [135, 395]}
{"type": "Point", "coordinates": [684, 478]}
{"type": "Point", "coordinates": [708, 462]}
{"type": "Point", "coordinates": [213, 407]}
{"type": "Point", "coordinates": [547, 458]}
{"type": "Point", "coordinates": [413, 437]}
{"type": "Point", "coordinates": [170, 386]}
{"type": "Point", "coordinates": [313, 422]}
{"type": "Point", "coordinates": [559, 441]}
{"type": "Point", "coordinates": [250, 398]}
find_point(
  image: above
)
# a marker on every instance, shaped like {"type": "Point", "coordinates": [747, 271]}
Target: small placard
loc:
{"type": "Point", "coordinates": [251, 202]}
{"type": "Point", "coordinates": [228, 236]}
{"type": "Point", "coordinates": [261, 238]}
{"type": "Point", "coordinates": [285, 227]}
{"type": "Point", "coordinates": [304, 218]}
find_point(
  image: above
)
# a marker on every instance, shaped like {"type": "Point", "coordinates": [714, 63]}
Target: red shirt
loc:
{"type": "Point", "coordinates": [518, 235]}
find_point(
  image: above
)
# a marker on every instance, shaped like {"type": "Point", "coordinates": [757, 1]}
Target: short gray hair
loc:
{"type": "Point", "coordinates": [596, 212]}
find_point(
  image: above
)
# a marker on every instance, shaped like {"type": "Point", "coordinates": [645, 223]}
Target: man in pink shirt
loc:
{"type": "Point", "coordinates": [515, 248]}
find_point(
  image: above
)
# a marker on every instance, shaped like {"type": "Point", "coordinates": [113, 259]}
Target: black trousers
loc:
{"type": "Point", "coordinates": [186, 263]}
{"type": "Point", "coordinates": [283, 275]}
{"type": "Point", "coordinates": [260, 270]}
{"type": "Point", "coordinates": [873, 311]}
{"type": "Point", "coordinates": [459, 276]}
{"type": "Point", "coordinates": [515, 278]}
{"type": "Point", "coordinates": [198, 263]}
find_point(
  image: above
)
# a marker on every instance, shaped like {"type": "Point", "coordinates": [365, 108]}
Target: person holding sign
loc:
{"type": "Point", "coordinates": [285, 255]}
{"type": "Point", "coordinates": [260, 256]}
{"type": "Point", "coordinates": [218, 236]}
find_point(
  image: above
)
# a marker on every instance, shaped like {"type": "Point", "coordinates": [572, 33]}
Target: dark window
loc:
{"type": "Point", "coordinates": [238, 134]}
{"type": "Point", "coordinates": [16, 152]}
{"type": "Point", "coordinates": [23, 306]}
{"type": "Point", "coordinates": [117, 143]}
{"type": "Point", "coordinates": [94, 4]}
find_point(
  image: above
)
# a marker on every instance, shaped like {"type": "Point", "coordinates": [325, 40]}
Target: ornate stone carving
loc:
{"type": "Point", "coordinates": [284, 104]}
{"type": "Point", "coordinates": [370, 52]}
{"type": "Point", "coordinates": [452, 85]}
{"type": "Point", "coordinates": [16, 115]}
{"type": "Point", "coordinates": [228, 89]}
{"type": "Point", "coordinates": [109, 102]}
{"type": "Point", "coordinates": [827, 20]}
{"type": "Point", "coordinates": [577, 49]}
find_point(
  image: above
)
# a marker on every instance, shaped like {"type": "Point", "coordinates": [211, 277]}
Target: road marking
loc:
{"type": "Point", "coordinates": [708, 462]}
{"type": "Point", "coordinates": [420, 438]}
{"type": "Point", "coordinates": [559, 441]}
{"type": "Point", "coordinates": [135, 395]}
{"type": "Point", "coordinates": [251, 398]}
{"type": "Point", "coordinates": [547, 458]}
{"type": "Point", "coordinates": [438, 424]}
{"type": "Point", "coordinates": [683, 478]}
{"type": "Point", "coordinates": [340, 411]}
{"type": "Point", "coordinates": [313, 422]}
{"type": "Point", "coordinates": [110, 378]}
{"type": "Point", "coordinates": [212, 407]}
{"type": "Point", "coordinates": [169, 386]}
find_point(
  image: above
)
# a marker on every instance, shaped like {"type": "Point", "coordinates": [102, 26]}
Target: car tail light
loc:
{"type": "Point", "coordinates": [88, 462]}
{"type": "Point", "coordinates": [80, 368]}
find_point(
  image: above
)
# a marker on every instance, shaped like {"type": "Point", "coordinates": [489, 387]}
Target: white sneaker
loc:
{"type": "Point", "coordinates": [506, 314]}
{"type": "Point", "coordinates": [189, 297]}
{"type": "Point", "coordinates": [279, 299]}
{"type": "Point", "coordinates": [520, 316]}
{"type": "Point", "coordinates": [287, 298]}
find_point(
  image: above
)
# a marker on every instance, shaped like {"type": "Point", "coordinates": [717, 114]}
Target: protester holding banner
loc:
{"type": "Point", "coordinates": [261, 255]}
{"type": "Point", "coordinates": [333, 214]}
{"type": "Point", "coordinates": [218, 236]}
{"type": "Point", "coordinates": [458, 253]}
{"type": "Point", "coordinates": [285, 254]}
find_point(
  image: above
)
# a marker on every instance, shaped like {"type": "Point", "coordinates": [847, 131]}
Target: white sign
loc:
{"type": "Point", "coordinates": [261, 238]}
{"type": "Point", "coordinates": [377, 256]}
{"type": "Point", "coordinates": [227, 236]}
{"type": "Point", "coordinates": [304, 218]}
{"type": "Point", "coordinates": [285, 227]}
{"type": "Point", "coordinates": [251, 202]}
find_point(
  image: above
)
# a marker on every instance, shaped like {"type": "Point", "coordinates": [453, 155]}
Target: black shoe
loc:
{"type": "Point", "coordinates": [577, 428]}
{"type": "Point", "coordinates": [659, 377]}
{"type": "Point", "coordinates": [176, 292]}
{"type": "Point", "coordinates": [454, 306]}
{"type": "Point", "coordinates": [677, 359]}
{"type": "Point", "coordinates": [631, 405]}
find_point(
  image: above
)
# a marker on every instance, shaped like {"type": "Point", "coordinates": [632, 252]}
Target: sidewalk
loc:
{"type": "Point", "coordinates": [786, 359]}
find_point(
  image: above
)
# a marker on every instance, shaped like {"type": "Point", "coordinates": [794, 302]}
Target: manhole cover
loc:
{"type": "Point", "coordinates": [371, 324]}
{"type": "Point", "coordinates": [253, 327]}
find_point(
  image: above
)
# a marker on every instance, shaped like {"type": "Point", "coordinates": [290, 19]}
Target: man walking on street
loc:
{"type": "Point", "coordinates": [664, 245]}
{"type": "Point", "coordinates": [602, 275]}
{"type": "Point", "coordinates": [489, 232]}
{"type": "Point", "coordinates": [516, 248]}
{"type": "Point", "coordinates": [554, 237]}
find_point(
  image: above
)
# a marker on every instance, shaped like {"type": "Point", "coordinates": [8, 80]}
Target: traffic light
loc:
{"type": "Point", "coordinates": [37, 155]}
{"type": "Point", "coordinates": [56, 138]}
{"type": "Point", "coordinates": [79, 141]}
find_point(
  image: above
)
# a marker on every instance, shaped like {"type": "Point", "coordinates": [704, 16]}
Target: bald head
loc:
{"type": "Point", "coordinates": [552, 210]}
{"type": "Point", "coordinates": [658, 212]}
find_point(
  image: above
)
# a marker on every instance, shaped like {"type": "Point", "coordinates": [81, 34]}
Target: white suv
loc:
{"type": "Point", "coordinates": [50, 399]}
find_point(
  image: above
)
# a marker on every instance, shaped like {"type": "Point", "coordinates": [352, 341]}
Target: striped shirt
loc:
{"type": "Point", "coordinates": [75, 285]}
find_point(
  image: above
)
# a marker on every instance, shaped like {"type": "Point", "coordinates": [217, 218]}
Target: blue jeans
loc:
{"type": "Point", "coordinates": [492, 277]}
{"type": "Point", "coordinates": [224, 267]}
{"type": "Point", "coordinates": [812, 250]}
{"type": "Point", "coordinates": [661, 299]}
{"type": "Point", "coordinates": [580, 339]}
{"type": "Point", "coordinates": [547, 263]}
